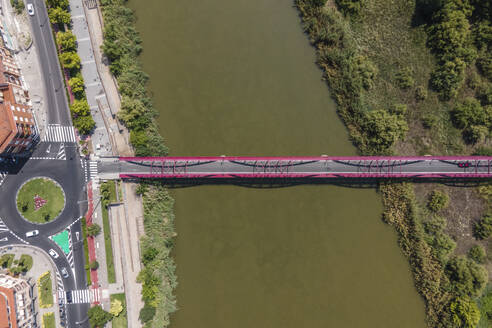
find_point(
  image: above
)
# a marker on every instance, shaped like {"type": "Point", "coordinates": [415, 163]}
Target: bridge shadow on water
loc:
{"type": "Point", "coordinates": [275, 183]}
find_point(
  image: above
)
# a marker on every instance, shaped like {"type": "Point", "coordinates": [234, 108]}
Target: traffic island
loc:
{"type": "Point", "coordinates": [40, 200]}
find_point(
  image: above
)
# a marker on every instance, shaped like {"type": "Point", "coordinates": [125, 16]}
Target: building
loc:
{"type": "Point", "coordinates": [17, 307]}
{"type": "Point", "coordinates": [18, 130]}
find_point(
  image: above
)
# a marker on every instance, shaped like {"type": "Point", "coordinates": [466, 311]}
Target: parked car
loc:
{"type": "Point", "coordinates": [69, 297]}
{"type": "Point", "coordinates": [30, 9]}
{"type": "Point", "coordinates": [64, 272]}
{"type": "Point", "coordinates": [53, 253]}
{"type": "Point", "coordinates": [32, 233]}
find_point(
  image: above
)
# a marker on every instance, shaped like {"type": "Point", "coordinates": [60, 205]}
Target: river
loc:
{"type": "Point", "coordinates": [238, 78]}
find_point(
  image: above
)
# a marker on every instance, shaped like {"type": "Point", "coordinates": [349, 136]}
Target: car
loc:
{"type": "Point", "coordinates": [69, 297]}
{"type": "Point", "coordinates": [64, 272]}
{"type": "Point", "coordinates": [32, 233]}
{"type": "Point", "coordinates": [53, 253]}
{"type": "Point", "coordinates": [30, 9]}
{"type": "Point", "coordinates": [464, 164]}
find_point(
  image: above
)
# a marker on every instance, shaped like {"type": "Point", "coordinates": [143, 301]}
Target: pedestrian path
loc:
{"type": "Point", "coordinates": [84, 296]}
{"type": "Point", "coordinates": [59, 133]}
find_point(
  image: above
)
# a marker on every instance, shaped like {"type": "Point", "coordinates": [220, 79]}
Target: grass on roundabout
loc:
{"type": "Point", "coordinates": [45, 191]}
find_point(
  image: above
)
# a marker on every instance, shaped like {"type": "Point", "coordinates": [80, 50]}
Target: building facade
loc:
{"type": "Point", "coordinates": [17, 307]}
{"type": "Point", "coordinates": [18, 130]}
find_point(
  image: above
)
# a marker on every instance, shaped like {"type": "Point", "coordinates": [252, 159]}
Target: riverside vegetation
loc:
{"type": "Point", "coordinates": [122, 47]}
{"type": "Point", "coordinates": [415, 77]}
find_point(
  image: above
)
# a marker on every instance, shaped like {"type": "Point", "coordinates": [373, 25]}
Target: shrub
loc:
{"type": "Point", "coordinates": [447, 78]}
{"type": "Point", "coordinates": [76, 84]}
{"type": "Point", "coordinates": [94, 265]}
{"type": "Point", "coordinates": [66, 41]}
{"type": "Point", "coordinates": [420, 93]}
{"type": "Point", "coordinates": [98, 317]}
{"type": "Point", "coordinates": [59, 16]}
{"type": "Point", "coordinates": [464, 312]}
{"type": "Point", "coordinates": [483, 228]}
{"type": "Point", "coordinates": [435, 224]}
{"type": "Point", "coordinates": [349, 7]}
{"type": "Point", "coordinates": [477, 253]}
{"type": "Point", "coordinates": [437, 201]}
{"type": "Point", "coordinates": [94, 229]}
{"type": "Point", "coordinates": [399, 109]}
{"type": "Point", "coordinates": [116, 307]}
{"type": "Point", "coordinates": [404, 78]}
{"type": "Point", "coordinates": [18, 5]}
{"type": "Point", "coordinates": [442, 246]}
{"type": "Point", "coordinates": [467, 277]}
{"type": "Point", "coordinates": [147, 313]}
{"type": "Point", "coordinates": [382, 129]}
{"type": "Point", "coordinates": [429, 121]}
{"type": "Point", "coordinates": [70, 60]}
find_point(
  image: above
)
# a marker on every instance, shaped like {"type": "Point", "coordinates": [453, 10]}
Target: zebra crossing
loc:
{"type": "Point", "coordinates": [59, 133]}
{"type": "Point", "coordinates": [93, 171]}
{"type": "Point", "coordinates": [3, 226]}
{"type": "Point", "coordinates": [3, 175]}
{"type": "Point", "coordinates": [84, 296]}
{"type": "Point", "coordinates": [61, 153]}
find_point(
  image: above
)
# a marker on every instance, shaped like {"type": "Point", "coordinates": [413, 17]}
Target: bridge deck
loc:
{"type": "Point", "coordinates": [298, 167]}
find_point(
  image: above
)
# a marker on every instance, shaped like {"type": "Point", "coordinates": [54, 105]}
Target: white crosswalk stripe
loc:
{"type": "Point", "coordinates": [93, 171]}
{"type": "Point", "coordinates": [3, 227]}
{"type": "Point", "coordinates": [3, 175]}
{"type": "Point", "coordinates": [61, 153]}
{"type": "Point", "coordinates": [85, 296]}
{"type": "Point", "coordinates": [59, 133]}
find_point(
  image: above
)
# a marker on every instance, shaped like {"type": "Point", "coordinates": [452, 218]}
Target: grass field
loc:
{"type": "Point", "coordinates": [45, 290]}
{"type": "Point", "coordinates": [47, 190]}
{"type": "Point", "coordinates": [120, 321]}
{"type": "Point", "coordinates": [108, 246]}
{"type": "Point", "coordinates": [49, 320]}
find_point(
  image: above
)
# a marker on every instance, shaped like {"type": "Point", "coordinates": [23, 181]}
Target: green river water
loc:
{"type": "Point", "coordinates": [238, 78]}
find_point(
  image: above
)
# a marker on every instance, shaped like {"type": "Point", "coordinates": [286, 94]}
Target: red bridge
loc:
{"type": "Point", "coordinates": [322, 167]}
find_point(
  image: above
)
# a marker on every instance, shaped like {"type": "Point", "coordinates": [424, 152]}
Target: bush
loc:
{"type": "Point", "coordinates": [467, 277]}
{"type": "Point", "coordinates": [76, 84]}
{"type": "Point", "coordinates": [59, 16]}
{"type": "Point", "coordinates": [464, 312]}
{"type": "Point", "coordinates": [18, 5]}
{"type": "Point", "coordinates": [147, 313]}
{"type": "Point", "coordinates": [66, 41]}
{"type": "Point", "coordinates": [84, 124]}
{"type": "Point", "coordinates": [382, 130]}
{"type": "Point", "coordinates": [442, 246]}
{"type": "Point", "coordinates": [98, 317]}
{"type": "Point", "coordinates": [483, 228]}
{"type": "Point", "coordinates": [404, 78]}
{"type": "Point", "coordinates": [447, 78]}
{"type": "Point", "coordinates": [470, 113]}
{"type": "Point", "coordinates": [70, 61]}
{"type": "Point", "coordinates": [437, 201]}
{"type": "Point", "coordinates": [93, 230]}
{"type": "Point", "coordinates": [429, 121]}
{"type": "Point", "coordinates": [420, 93]}
{"type": "Point", "coordinates": [435, 224]}
{"type": "Point", "coordinates": [350, 7]}
{"type": "Point", "coordinates": [94, 265]}
{"type": "Point", "coordinates": [399, 109]}
{"type": "Point", "coordinates": [477, 253]}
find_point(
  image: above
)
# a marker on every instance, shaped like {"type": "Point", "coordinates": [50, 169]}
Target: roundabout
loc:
{"type": "Point", "coordinates": [40, 200]}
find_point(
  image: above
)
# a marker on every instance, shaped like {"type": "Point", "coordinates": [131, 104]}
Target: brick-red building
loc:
{"type": "Point", "coordinates": [17, 125]}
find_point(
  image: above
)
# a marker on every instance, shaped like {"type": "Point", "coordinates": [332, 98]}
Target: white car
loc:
{"type": "Point", "coordinates": [53, 253]}
{"type": "Point", "coordinates": [30, 9]}
{"type": "Point", "coordinates": [32, 233]}
{"type": "Point", "coordinates": [64, 272]}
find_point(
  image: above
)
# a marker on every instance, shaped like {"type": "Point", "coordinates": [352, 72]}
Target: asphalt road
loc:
{"type": "Point", "coordinates": [68, 172]}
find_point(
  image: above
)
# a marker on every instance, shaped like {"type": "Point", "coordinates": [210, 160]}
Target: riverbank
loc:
{"type": "Point", "coordinates": [121, 44]}
{"type": "Point", "coordinates": [377, 64]}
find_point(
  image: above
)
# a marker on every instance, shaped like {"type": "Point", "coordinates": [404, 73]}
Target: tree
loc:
{"type": "Point", "coordinates": [147, 313]}
{"type": "Point", "coordinates": [383, 129]}
{"type": "Point", "coordinates": [471, 113]}
{"type": "Point", "coordinates": [477, 253]}
{"type": "Point", "coordinates": [116, 307]}
{"type": "Point", "coordinates": [467, 278]}
{"type": "Point", "coordinates": [76, 84]}
{"type": "Point", "coordinates": [98, 317]}
{"type": "Point", "coordinates": [93, 230]}
{"type": "Point", "coordinates": [80, 108]}
{"type": "Point", "coordinates": [438, 200]}
{"type": "Point", "coordinates": [57, 3]}
{"type": "Point", "coordinates": [67, 41]}
{"type": "Point", "coordinates": [70, 60]}
{"type": "Point", "coordinates": [84, 124]}
{"type": "Point", "coordinates": [483, 228]}
{"type": "Point", "coordinates": [464, 312]}
{"type": "Point", "coordinates": [447, 78]}
{"type": "Point", "coordinates": [94, 265]}
{"type": "Point", "coordinates": [59, 15]}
